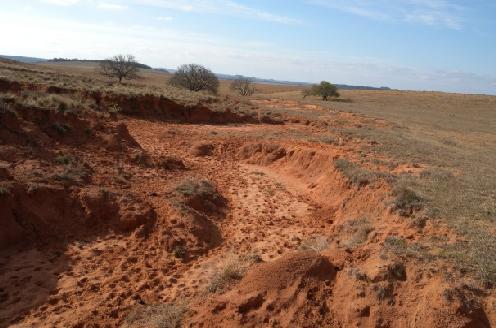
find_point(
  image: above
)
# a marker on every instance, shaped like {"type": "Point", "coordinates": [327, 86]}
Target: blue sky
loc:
{"type": "Point", "coordinates": [447, 45]}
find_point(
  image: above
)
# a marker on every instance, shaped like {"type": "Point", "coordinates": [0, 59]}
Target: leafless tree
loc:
{"type": "Point", "coordinates": [243, 85]}
{"type": "Point", "coordinates": [121, 67]}
{"type": "Point", "coordinates": [195, 77]}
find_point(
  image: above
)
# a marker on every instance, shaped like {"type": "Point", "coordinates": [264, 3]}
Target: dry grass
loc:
{"type": "Point", "coordinates": [87, 79]}
{"type": "Point", "coordinates": [156, 316]}
{"type": "Point", "coordinates": [358, 231]}
{"type": "Point", "coordinates": [4, 191]}
{"type": "Point", "coordinates": [156, 78]}
{"type": "Point", "coordinates": [454, 136]}
{"type": "Point", "coordinates": [232, 270]}
{"type": "Point", "coordinates": [315, 243]}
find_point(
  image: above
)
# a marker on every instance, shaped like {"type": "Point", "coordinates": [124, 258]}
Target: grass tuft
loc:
{"type": "Point", "coordinates": [315, 243]}
{"type": "Point", "coordinates": [359, 229]}
{"type": "Point", "coordinates": [4, 191]}
{"type": "Point", "coordinates": [61, 128]}
{"type": "Point", "coordinates": [166, 315]}
{"type": "Point", "coordinates": [406, 201]}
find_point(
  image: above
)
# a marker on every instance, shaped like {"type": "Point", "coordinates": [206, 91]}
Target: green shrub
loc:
{"type": "Point", "coordinates": [324, 89]}
{"type": "Point", "coordinates": [4, 191]}
{"type": "Point", "coordinates": [61, 128]}
{"type": "Point", "coordinates": [64, 159]}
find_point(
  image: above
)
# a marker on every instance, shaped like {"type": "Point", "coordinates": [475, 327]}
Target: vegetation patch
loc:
{"type": "Point", "coordinates": [315, 243]}
{"type": "Point", "coordinates": [477, 254]}
{"type": "Point", "coordinates": [180, 252]}
{"type": "Point", "coordinates": [399, 247]}
{"type": "Point", "coordinates": [406, 201]}
{"type": "Point", "coordinates": [357, 175]}
{"type": "Point", "coordinates": [73, 173]}
{"type": "Point", "coordinates": [4, 191]}
{"type": "Point", "coordinates": [359, 230]}
{"type": "Point", "coordinates": [64, 159]}
{"type": "Point", "coordinates": [232, 271]}
{"type": "Point", "coordinates": [192, 188]}
{"type": "Point", "coordinates": [61, 128]}
{"type": "Point", "coordinates": [168, 315]}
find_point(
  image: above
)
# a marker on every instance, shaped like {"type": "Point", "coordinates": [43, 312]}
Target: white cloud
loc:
{"type": "Point", "coordinates": [424, 12]}
{"type": "Point", "coordinates": [111, 6]}
{"type": "Point", "coordinates": [222, 7]}
{"type": "Point", "coordinates": [61, 2]}
{"type": "Point", "coordinates": [165, 18]}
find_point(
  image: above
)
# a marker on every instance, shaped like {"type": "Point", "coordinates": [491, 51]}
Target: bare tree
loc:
{"type": "Point", "coordinates": [121, 67]}
{"type": "Point", "coordinates": [243, 85]}
{"type": "Point", "coordinates": [195, 77]}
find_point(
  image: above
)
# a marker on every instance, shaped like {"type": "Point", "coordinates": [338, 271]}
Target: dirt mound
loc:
{"type": "Point", "coordinates": [202, 196]}
{"type": "Point", "coordinates": [191, 235]}
{"type": "Point", "coordinates": [262, 154]}
{"type": "Point", "coordinates": [43, 214]}
{"type": "Point", "coordinates": [202, 149]}
{"type": "Point", "coordinates": [290, 292]}
{"type": "Point", "coordinates": [198, 206]}
{"type": "Point", "coordinates": [121, 138]}
{"type": "Point", "coordinates": [443, 306]}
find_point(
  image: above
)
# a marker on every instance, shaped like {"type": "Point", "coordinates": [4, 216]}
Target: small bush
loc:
{"type": "Point", "coordinates": [356, 175]}
{"type": "Point", "coordinates": [192, 188]}
{"type": "Point", "coordinates": [359, 229]}
{"type": "Point", "coordinates": [395, 244]}
{"type": "Point", "coordinates": [316, 243]}
{"type": "Point", "coordinates": [72, 173]}
{"type": "Point", "coordinates": [62, 106]}
{"type": "Point", "coordinates": [156, 316]}
{"type": "Point", "coordinates": [4, 191]}
{"type": "Point", "coordinates": [244, 86]}
{"type": "Point", "coordinates": [180, 252]}
{"type": "Point", "coordinates": [114, 109]}
{"type": "Point", "coordinates": [61, 128]}
{"type": "Point", "coordinates": [64, 159]}
{"type": "Point", "coordinates": [406, 201]}
{"type": "Point", "coordinates": [231, 272]}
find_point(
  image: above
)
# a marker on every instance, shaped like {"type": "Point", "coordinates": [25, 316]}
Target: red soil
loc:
{"type": "Point", "coordinates": [142, 215]}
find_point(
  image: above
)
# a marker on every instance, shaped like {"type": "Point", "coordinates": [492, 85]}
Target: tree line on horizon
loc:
{"type": "Point", "coordinates": [195, 77]}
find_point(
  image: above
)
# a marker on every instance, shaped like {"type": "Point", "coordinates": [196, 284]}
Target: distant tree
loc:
{"type": "Point", "coordinates": [311, 91]}
{"type": "Point", "coordinates": [324, 89]}
{"type": "Point", "coordinates": [121, 67]}
{"type": "Point", "coordinates": [195, 77]}
{"type": "Point", "coordinates": [243, 85]}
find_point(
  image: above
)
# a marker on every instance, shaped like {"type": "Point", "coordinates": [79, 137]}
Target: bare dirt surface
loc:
{"type": "Point", "coordinates": [120, 221]}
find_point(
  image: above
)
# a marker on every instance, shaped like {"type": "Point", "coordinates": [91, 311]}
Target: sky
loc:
{"type": "Point", "coordinates": [445, 45]}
